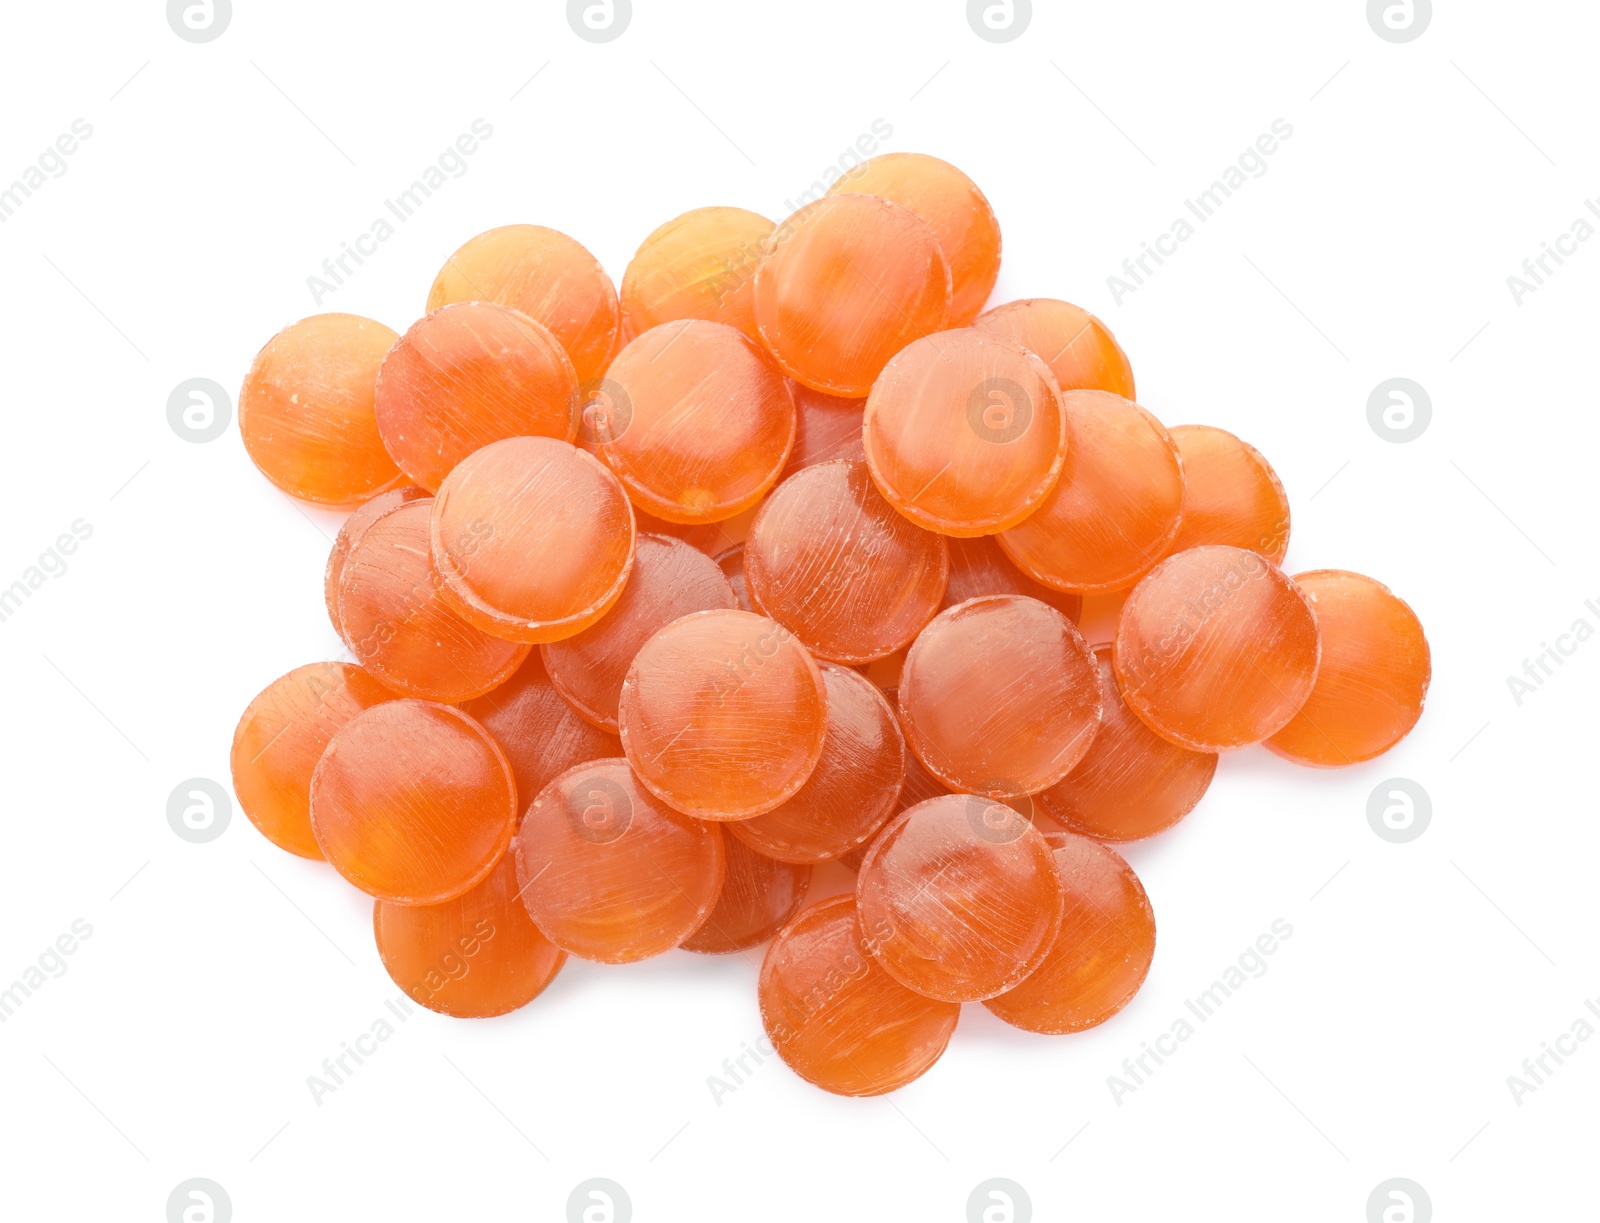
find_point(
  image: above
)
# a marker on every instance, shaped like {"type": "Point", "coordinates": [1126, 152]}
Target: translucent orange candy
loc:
{"type": "Point", "coordinates": [609, 872]}
{"type": "Point", "coordinates": [472, 957]}
{"type": "Point", "coordinates": [281, 737]}
{"type": "Point", "coordinates": [306, 410]}
{"type": "Point", "coordinates": [847, 282]}
{"type": "Point", "coordinates": [396, 624]}
{"type": "Point", "coordinates": [413, 802]}
{"type": "Point", "coordinates": [467, 375]}
{"type": "Point", "coordinates": [826, 428]}
{"type": "Point", "coordinates": [547, 276]}
{"type": "Point", "coordinates": [722, 715]}
{"type": "Point", "coordinates": [699, 265]}
{"type": "Point", "coordinates": [708, 537]}
{"type": "Point", "coordinates": [953, 207]}
{"type": "Point", "coordinates": [830, 560]}
{"type": "Point", "coordinates": [532, 539]}
{"type": "Point", "coordinates": [1231, 495]}
{"type": "Point", "coordinates": [1374, 676]}
{"type": "Point", "coordinates": [1000, 696]}
{"type": "Point", "coordinates": [836, 1018]}
{"type": "Point", "coordinates": [541, 735]}
{"type": "Point", "coordinates": [1216, 649]}
{"type": "Point", "coordinates": [1102, 953]}
{"type": "Point", "coordinates": [964, 432]}
{"type": "Point", "coordinates": [854, 787]}
{"type": "Point", "coordinates": [959, 898]}
{"type": "Point", "coordinates": [731, 562]}
{"type": "Point", "coordinates": [695, 421]}
{"type": "Point", "coordinates": [669, 579]}
{"type": "Point", "coordinates": [1132, 783]}
{"type": "Point", "coordinates": [979, 566]}
{"type": "Point", "coordinates": [1077, 347]}
{"type": "Point", "coordinates": [759, 896]}
{"type": "Point", "coordinates": [353, 529]}
{"type": "Point", "coordinates": [1115, 510]}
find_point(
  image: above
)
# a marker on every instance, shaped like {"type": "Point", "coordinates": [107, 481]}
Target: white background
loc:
{"type": "Point", "coordinates": [219, 976]}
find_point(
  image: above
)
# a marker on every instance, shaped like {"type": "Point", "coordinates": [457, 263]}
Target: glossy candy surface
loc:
{"type": "Point", "coordinates": [1102, 953]}
{"type": "Point", "coordinates": [280, 738]}
{"type": "Point", "coordinates": [1374, 676]}
{"type": "Point", "coordinates": [354, 527]}
{"type": "Point", "coordinates": [547, 276]}
{"type": "Point", "coordinates": [609, 872]}
{"type": "Point", "coordinates": [1132, 783]}
{"type": "Point", "coordinates": [846, 283]}
{"type": "Point", "coordinates": [854, 787]}
{"type": "Point", "coordinates": [472, 957]}
{"type": "Point", "coordinates": [1000, 696]}
{"type": "Point", "coordinates": [699, 265]}
{"type": "Point", "coordinates": [467, 375]}
{"type": "Point", "coordinates": [959, 898]}
{"type": "Point", "coordinates": [731, 562]}
{"type": "Point", "coordinates": [306, 410]}
{"type": "Point", "coordinates": [399, 627]}
{"type": "Point", "coordinates": [1077, 346]}
{"type": "Point", "coordinates": [964, 432]}
{"type": "Point", "coordinates": [836, 1017]}
{"type": "Point", "coordinates": [980, 566]}
{"type": "Point", "coordinates": [1116, 508]}
{"type": "Point", "coordinates": [669, 580]}
{"type": "Point", "coordinates": [759, 895]}
{"type": "Point", "coordinates": [541, 735]}
{"type": "Point", "coordinates": [1216, 649]}
{"type": "Point", "coordinates": [1231, 495]}
{"type": "Point", "coordinates": [830, 560]}
{"type": "Point", "coordinates": [951, 204]}
{"type": "Point", "coordinates": [722, 714]}
{"type": "Point", "coordinates": [827, 427]}
{"type": "Point", "coordinates": [532, 539]}
{"type": "Point", "coordinates": [413, 802]}
{"type": "Point", "coordinates": [695, 421]}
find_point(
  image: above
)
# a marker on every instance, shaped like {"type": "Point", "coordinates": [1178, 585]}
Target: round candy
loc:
{"type": "Point", "coordinates": [467, 375]}
{"type": "Point", "coordinates": [846, 283]}
{"type": "Point", "coordinates": [547, 276]}
{"type": "Point", "coordinates": [979, 566]}
{"type": "Point", "coordinates": [413, 802]}
{"type": "Point", "coordinates": [1000, 696]}
{"type": "Point", "coordinates": [669, 579]}
{"type": "Point", "coordinates": [836, 1017]}
{"type": "Point", "coordinates": [952, 205]}
{"type": "Point", "coordinates": [354, 527]}
{"type": "Point", "coordinates": [964, 432]}
{"type": "Point", "coordinates": [1374, 676]}
{"type": "Point", "coordinates": [1216, 649]}
{"type": "Point", "coordinates": [539, 732]}
{"type": "Point", "coordinates": [854, 787]}
{"type": "Point", "coordinates": [306, 410]}
{"type": "Point", "coordinates": [1132, 783]}
{"type": "Point", "coordinates": [826, 428]}
{"type": "Point", "coordinates": [696, 422]}
{"type": "Point", "coordinates": [1100, 956]}
{"type": "Point", "coordinates": [395, 622]}
{"type": "Point", "coordinates": [700, 265]}
{"type": "Point", "coordinates": [731, 562]}
{"type": "Point", "coordinates": [830, 560]}
{"type": "Point", "coordinates": [281, 737]}
{"type": "Point", "coordinates": [959, 898]}
{"type": "Point", "coordinates": [722, 714]}
{"type": "Point", "coordinates": [1116, 508]}
{"type": "Point", "coordinates": [472, 957]}
{"type": "Point", "coordinates": [1231, 495]}
{"type": "Point", "coordinates": [610, 873]}
{"type": "Point", "coordinates": [759, 896]}
{"type": "Point", "coordinates": [532, 539]}
{"type": "Point", "coordinates": [1077, 346]}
